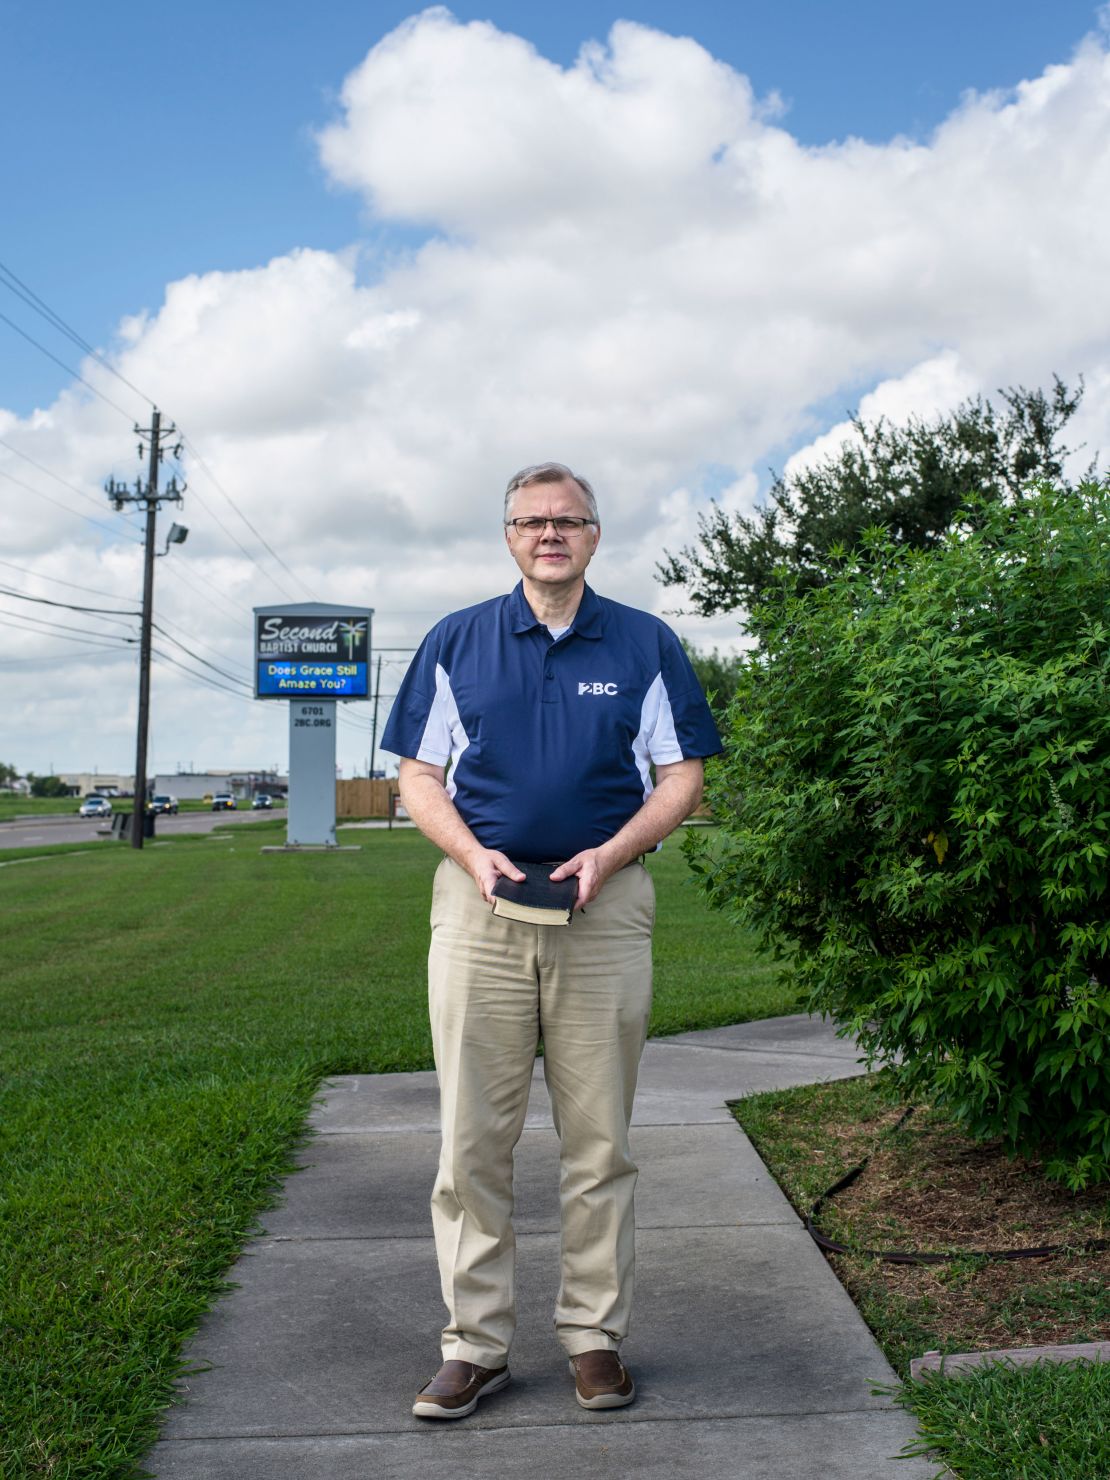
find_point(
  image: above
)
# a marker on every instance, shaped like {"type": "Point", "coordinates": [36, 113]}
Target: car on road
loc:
{"type": "Point", "coordinates": [261, 800]}
{"type": "Point", "coordinates": [162, 804]}
{"type": "Point", "coordinates": [224, 802]}
{"type": "Point", "coordinates": [95, 807]}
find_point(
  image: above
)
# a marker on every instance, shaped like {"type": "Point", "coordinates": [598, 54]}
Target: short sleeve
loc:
{"type": "Point", "coordinates": [681, 725]}
{"type": "Point", "coordinates": [414, 726]}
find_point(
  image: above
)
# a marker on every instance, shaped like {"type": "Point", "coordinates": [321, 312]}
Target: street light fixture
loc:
{"type": "Point", "coordinates": [177, 536]}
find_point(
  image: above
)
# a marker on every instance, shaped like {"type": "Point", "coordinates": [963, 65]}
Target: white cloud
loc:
{"type": "Point", "coordinates": [929, 389]}
{"type": "Point", "coordinates": [631, 268]}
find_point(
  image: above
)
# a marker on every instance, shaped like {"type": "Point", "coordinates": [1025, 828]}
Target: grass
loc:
{"type": "Point", "coordinates": [927, 1187]}
{"type": "Point", "coordinates": [1034, 1423]}
{"type": "Point", "coordinates": [165, 1018]}
{"type": "Point", "coordinates": [12, 807]}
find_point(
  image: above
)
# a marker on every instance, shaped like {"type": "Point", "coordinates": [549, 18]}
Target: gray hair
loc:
{"type": "Point", "coordinates": [548, 472]}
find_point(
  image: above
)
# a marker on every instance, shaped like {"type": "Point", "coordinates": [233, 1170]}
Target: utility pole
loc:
{"type": "Point", "coordinates": [149, 498]}
{"type": "Point", "coordinates": [374, 727]}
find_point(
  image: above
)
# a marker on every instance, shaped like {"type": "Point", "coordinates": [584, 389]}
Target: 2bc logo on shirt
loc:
{"type": "Point", "coordinates": [597, 688]}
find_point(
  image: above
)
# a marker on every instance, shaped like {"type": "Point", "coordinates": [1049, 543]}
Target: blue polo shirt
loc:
{"type": "Point", "coordinates": [549, 741]}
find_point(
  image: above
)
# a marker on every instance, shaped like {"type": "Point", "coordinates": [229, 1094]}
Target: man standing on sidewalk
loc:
{"type": "Point", "coordinates": [551, 706]}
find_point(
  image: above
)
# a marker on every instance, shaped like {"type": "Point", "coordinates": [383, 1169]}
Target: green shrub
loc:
{"type": "Point", "coordinates": [49, 786]}
{"type": "Point", "coordinates": [915, 806]}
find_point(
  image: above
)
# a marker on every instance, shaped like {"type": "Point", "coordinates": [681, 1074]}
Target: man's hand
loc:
{"type": "Point", "coordinates": [592, 871]}
{"type": "Point", "coordinates": [485, 866]}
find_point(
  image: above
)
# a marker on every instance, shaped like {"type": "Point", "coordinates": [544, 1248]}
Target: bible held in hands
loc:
{"type": "Point", "coordinates": [537, 900]}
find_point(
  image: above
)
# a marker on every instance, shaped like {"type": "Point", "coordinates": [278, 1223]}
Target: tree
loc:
{"type": "Point", "coordinates": [914, 812]}
{"type": "Point", "coordinates": [8, 774]}
{"type": "Point", "coordinates": [909, 480]}
{"type": "Point", "coordinates": [718, 673]}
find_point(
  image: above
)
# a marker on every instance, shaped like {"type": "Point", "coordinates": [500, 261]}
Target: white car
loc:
{"type": "Point", "coordinates": [95, 807]}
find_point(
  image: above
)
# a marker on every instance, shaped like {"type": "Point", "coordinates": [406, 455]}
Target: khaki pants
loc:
{"type": "Point", "coordinates": [496, 987]}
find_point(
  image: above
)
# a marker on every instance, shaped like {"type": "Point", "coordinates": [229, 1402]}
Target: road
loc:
{"type": "Point", "coordinates": [63, 828]}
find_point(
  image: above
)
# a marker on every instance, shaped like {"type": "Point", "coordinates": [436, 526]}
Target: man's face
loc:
{"type": "Point", "coordinates": [552, 559]}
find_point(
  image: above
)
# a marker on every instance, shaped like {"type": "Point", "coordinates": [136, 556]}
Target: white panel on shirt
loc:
{"type": "Point", "coordinates": [657, 739]}
{"type": "Point", "coordinates": [444, 738]}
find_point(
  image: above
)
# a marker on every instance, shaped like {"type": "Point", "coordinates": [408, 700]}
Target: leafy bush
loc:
{"type": "Point", "coordinates": [915, 806]}
{"type": "Point", "coordinates": [49, 786]}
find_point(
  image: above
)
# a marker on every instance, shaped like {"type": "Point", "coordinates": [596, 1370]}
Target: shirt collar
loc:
{"type": "Point", "coordinates": [588, 619]}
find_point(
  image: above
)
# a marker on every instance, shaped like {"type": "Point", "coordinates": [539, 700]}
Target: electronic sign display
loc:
{"type": "Point", "coordinates": [304, 651]}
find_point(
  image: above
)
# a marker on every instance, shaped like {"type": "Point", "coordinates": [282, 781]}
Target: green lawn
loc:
{"type": "Point", "coordinates": [12, 807]}
{"type": "Point", "coordinates": [165, 1017]}
{"type": "Point", "coordinates": [16, 806]}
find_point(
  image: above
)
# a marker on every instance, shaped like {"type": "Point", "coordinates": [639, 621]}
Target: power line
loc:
{"type": "Point", "coordinates": [67, 368]}
{"type": "Point", "coordinates": [29, 623]}
{"type": "Point", "coordinates": [113, 611]}
{"type": "Point", "coordinates": [237, 612]}
{"type": "Point", "coordinates": [192, 447]}
{"type": "Point", "coordinates": [201, 677]}
{"type": "Point", "coordinates": [234, 662]}
{"type": "Point", "coordinates": [196, 656]}
{"type": "Point", "coordinates": [359, 724]}
{"type": "Point", "coordinates": [60, 657]}
{"type": "Point", "coordinates": [22, 624]}
{"type": "Point", "coordinates": [55, 319]}
{"type": "Point", "coordinates": [21, 290]}
{"type": "Point", "coordinates": [80, 492]}
{"type": "Point", "coordinates": [119, 612]}
{"type": "Point", "coordinates": [77, 514]}
{"type": "Point", "coordinates": [38, 575]}
{"type": "Point", "coordinates": [236, 541]}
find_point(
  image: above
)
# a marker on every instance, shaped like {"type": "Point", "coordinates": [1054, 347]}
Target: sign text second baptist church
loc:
{"type": "Point", "coordinates": [302, 654]}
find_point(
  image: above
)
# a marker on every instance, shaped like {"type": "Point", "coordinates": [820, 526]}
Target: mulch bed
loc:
{"type": "Point", "coordinates": [929, 1188]}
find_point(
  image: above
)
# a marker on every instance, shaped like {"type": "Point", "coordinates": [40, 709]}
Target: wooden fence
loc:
{"type": "Point", "coordinates": [363, 798]}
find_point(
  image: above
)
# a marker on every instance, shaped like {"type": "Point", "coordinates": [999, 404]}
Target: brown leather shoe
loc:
{"type": "Point", "coordinates": [601, 1380]}
{"type": "Point", "coordinates": [455, 1389]}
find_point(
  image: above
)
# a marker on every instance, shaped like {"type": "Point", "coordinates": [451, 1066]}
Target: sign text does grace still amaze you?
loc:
{"type": "Point", "coordinates": [297, 655]}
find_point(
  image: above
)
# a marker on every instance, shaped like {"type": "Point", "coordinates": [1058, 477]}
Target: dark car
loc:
{"type": "Point", "coordinates": [262, 800]}
{"type": "Point", "coordinates": [162, 804]}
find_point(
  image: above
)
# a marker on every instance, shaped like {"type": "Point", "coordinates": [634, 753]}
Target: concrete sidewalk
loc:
{"type": "Point", "coordinates": [751, 1362]}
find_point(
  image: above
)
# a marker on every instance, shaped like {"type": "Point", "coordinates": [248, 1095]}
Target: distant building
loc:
{"type": "Point", "coordinates": [107, 783]}
{"type": "Point", "coordinates": [197, 785]}
{"type": "Point", "coordinates": [184, 785]}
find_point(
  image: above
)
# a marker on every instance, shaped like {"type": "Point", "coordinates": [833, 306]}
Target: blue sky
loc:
{"type": "Point", "coordinates": [372, 260]}
{"type": "Point", "coordinates": [144, 143]}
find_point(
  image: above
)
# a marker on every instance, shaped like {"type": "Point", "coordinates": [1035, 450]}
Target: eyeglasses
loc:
{"type": "Point", "coordinates": [532, 525]}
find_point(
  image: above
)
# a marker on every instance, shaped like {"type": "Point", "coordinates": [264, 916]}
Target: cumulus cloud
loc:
{"type": "Point", "coordinates": [931, 388]}
{"type": "Point", "coordinates": [631, 266]}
